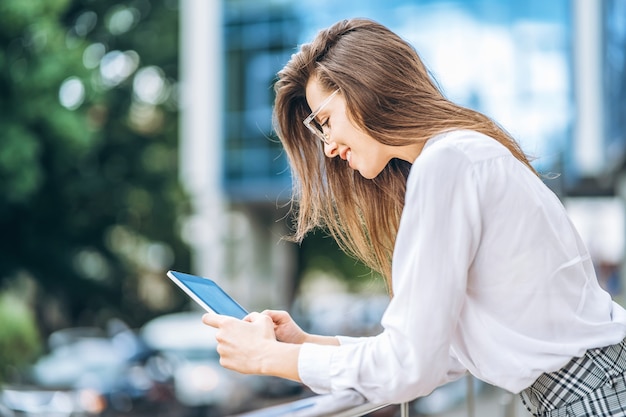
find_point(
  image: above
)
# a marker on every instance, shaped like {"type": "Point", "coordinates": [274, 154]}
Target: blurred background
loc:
{"type": "Point", "coordinates": [136, 137]}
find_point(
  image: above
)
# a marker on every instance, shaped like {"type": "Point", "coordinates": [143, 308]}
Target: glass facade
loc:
{"type": "Point", "coordinates": [259, 38]}
{"type": "Point", "coordinates": [614, 55]}
{"type": "Point", "coordinates": [510, 60]}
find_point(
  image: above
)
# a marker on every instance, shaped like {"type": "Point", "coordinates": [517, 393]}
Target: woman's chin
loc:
{"type": "Point", "coordinates": [367, 174]}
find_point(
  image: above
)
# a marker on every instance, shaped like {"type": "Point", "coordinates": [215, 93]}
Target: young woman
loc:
{"type": "Point", "coordinates": [486, 271]}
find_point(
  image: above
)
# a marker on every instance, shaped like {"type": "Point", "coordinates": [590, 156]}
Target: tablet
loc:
{"type": "Point", "coordinates": [208, 294]}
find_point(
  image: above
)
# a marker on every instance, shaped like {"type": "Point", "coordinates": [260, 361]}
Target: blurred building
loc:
{"type": "Point", "coordinates": [551, 72]}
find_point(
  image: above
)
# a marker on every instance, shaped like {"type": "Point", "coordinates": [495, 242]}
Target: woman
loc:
{"type": "Point", "coordinates": [487, 273]}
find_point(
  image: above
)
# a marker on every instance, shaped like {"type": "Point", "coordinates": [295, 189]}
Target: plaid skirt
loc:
{"type": "Point", "coordinates": [592, 385]}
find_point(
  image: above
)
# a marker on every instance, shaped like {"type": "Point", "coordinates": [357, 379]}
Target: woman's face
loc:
{"type": "Point", "coordinates": [360, 151]}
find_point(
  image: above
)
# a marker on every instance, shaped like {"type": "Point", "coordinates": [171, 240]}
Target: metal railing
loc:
{"type": "Point", "coordinates": [344, 404]}
{"type": "Point", "coordinates": [352, 404]}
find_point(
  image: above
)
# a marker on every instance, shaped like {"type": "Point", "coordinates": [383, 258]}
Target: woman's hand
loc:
{"type": "Point", "coordinates": [249, 346]}
{"type": "Point", "coordinates": [242, 344]}
{"type": "Point", "coordinates": [285, 328]}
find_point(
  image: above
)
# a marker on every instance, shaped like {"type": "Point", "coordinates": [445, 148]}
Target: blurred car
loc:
{"type": "Point", "coordinates": [87, 374]}
{"type": "Point", "coordinates": [31, 401]}
{"type": "Point", "coordinates": [5, 411]}
{"type": "Point", "coordinates": [67, 336]}
{"type": "Point", "coordinates": [200, 382]}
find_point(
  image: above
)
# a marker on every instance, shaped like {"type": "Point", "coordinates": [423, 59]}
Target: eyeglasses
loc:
{"type": "Point", "coordinates": [313, 125]}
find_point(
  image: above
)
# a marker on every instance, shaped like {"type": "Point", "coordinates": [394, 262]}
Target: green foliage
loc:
{"type": "Point", "coordinates": [20, 149]}
{"type": "Point", "coordinates": [19, 337]}
{"type": "Point", "coordinates": [19, 14]}
{"type": "Point", "coordinates": [34, 64]}
{"type": "Point", "coordinates": [75, 172]}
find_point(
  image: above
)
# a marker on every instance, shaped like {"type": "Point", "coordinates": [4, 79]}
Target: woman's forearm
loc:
{"type": "Point", "coordinates": [321, 340]}
{"type": "Point", "coordinates": [281, 358]}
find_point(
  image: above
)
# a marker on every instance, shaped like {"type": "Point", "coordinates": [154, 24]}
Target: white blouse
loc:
{"type": "Point", "coordinates": [489, 276]}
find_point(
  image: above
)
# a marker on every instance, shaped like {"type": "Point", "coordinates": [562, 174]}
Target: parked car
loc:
{"type": "Point", "coordinates": [4, 410]}
{"type": "Point", "coordinates": [200, 382]}
{"type": "Point", "coordinates": [32, 401]}
{"type": "Point", "coordinates": [86, 373]}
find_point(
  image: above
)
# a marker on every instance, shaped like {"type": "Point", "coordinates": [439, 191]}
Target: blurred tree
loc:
{"type": "Point", "coordinates": [89, 193]}
{"type": "Point", "coordinates": [320, 252]}
{"type": "Point", "coordinates": [19, 338]}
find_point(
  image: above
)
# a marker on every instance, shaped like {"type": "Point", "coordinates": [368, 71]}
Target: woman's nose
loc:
{"type": "Point", "coordinates": [331, 149]}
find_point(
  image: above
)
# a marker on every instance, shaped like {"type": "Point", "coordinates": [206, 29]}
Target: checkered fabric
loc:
{"type": "Point", "coordinates": [592, 385]}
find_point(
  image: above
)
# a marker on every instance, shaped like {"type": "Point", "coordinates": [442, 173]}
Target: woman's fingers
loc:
{"type": "Point", "coordinates": [213, 319]}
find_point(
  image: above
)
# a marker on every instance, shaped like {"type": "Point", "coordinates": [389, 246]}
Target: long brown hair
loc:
{"type": "Point", "coordinates": [390, 95]}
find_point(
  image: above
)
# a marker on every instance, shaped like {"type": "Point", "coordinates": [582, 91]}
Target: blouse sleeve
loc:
{"type": "Point", "coordinates": [438, 237]}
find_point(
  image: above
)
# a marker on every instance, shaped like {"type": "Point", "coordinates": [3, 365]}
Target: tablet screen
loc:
{"type": "Point", "coordinates": [209, 293]}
